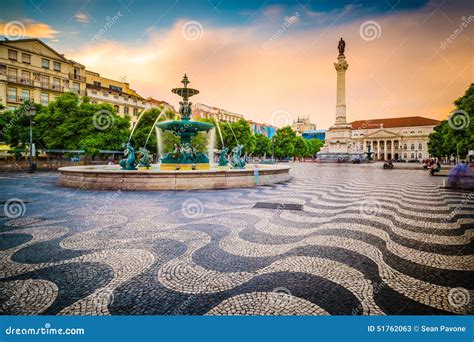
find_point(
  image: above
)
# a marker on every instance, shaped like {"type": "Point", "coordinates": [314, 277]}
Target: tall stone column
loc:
{"type": "Point", "coordinates": [341, 67]}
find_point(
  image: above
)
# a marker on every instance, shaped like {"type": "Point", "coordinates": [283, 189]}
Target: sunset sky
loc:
{"type": "Point", "coordinates": [264, 58]}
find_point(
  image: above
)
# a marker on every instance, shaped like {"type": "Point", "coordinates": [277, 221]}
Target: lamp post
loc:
{"type": "Point", "coordinates": [31, 111]}
{"type": "Point", "coordinates": [273, 149]}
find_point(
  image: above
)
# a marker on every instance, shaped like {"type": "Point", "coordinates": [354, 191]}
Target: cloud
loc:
{"type": "Point", "coordinates": [82, 17]}
{"type": "Point", "coordinates": [18, 29]}
{"type": "Point", "coordinates": [404, 72]}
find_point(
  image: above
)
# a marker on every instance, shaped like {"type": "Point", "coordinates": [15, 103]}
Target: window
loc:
{"type": "Point", "coordinates": [420, 131]}
{"type": "Point", "coordinates": [44, 80]}
{"type": "Point", "coordinates": [115, 97]}
{"type": "Point", "coordinates": [419, 155]}
{"type": "Point", "coordinates": [76, 87]}
{"type": "Point", "coordinates": [135, 111]}
{"type": "Point", "coordinates": [116, 108]}
{"type": "Point", "coordinates": [45, 63]}
{"type": "Point", "coordinates": [94, 92]}
{"type": "Point", "coordinates": [112, 87]}
{"type": "Point", "coordinates": [11, 94]}
{"type": "Point", "coordinates": [420, 146]}
{"type": "Point", "coordinates": [12, 74]}
{"type": "Point", "coordinates": [404, 146]}
{"type": "Point", "coordinates": [412, 132]}
{"type": "Point", "coordinates": [97, 84]}
{"type": "Point", "coordinates": [56, 66]}
{"type": "Point", "coordinates": [412, 156]}
{"type": "Point", "coordinates": [412, 147]}
{"type": "Point", "coordinates": [106, 95]}
{"type": "Point", "coordinates": [26, 58]}
{"type": "Point", "coordinates": [25, 95]}
{"type": "Point", "coordinates": [44, 99]}
{"type": "Point", "coordinates": [25, 77]}
{"type": "Point", "coordinates": [405, 156]}
{"type": "Point", "coordinates": [13, 55]}
{"type": "Point", "coordinates": [56, 83]}
{"type": "Point", "coordinates": [125, 110]}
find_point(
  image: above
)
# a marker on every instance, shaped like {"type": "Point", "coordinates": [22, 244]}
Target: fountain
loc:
{"type": "Point", "coordinates": [183, 168]}
{"type": "Point", "coordinates": [185, 156]}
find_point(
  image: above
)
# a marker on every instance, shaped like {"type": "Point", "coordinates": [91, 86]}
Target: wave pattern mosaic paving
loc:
{"type": "Point", "coordinates": [366, 242]}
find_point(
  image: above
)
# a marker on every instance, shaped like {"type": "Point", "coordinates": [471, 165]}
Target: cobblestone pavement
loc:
{"type": "Point", "coordinates": [368, 241]}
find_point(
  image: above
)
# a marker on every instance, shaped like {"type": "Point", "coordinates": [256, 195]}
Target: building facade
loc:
{"type": "Point", "coordinates": [201, 111]}
{"type": "Point", "coordinates": [260, 128]}
{"type": "Point", "coordinates": [153, 103]}
{"type": "Point", "coordinates": [303, 123]}
{"type": "Point", "coordinates": [394, 138]}
{"type": "Point", "coordinates": [125, 100]}
{"type": "Point", "coordinates": [315, 134]}
{"type": "Point", "coordinates": [30, 70]}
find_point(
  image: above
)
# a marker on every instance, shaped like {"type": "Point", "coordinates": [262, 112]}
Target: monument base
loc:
{"type": "Point", "coordinates": [176, 166]}
{"type": "Point", "coordinates": [340, 157]}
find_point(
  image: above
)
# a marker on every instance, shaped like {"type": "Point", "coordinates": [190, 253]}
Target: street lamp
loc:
{"type": "Point", "coordinates": [273, 149]}
{"type": "Point", "coordinates": [31, 111]}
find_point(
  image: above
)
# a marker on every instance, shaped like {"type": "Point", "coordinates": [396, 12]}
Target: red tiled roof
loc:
{"type": "Point", "coordinates": [394, 122]}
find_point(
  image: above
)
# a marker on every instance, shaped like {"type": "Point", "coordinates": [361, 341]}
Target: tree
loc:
{"type": "Point", "coordinates": [70, 123]}
{"type": "Point", "coordinates": [284, 142]}
{"type": "Point", "coordinates": [300, 147]}
{"type": "Point", "coordinates": [146, 125]}
{"type": "Point", "coordinates": [236, 132]}
{"type": "Point", "coordinates": [15, 127]}
{"type": "Point", "coordinates": [455, 136]}
{"type": "Point", "coordinates": [263, 145]}
{"type": "Point", "coordinates": [315, 145]}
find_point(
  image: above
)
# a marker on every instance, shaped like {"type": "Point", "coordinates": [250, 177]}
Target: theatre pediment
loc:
{"type": "Point", "coordinates": [381, 134]}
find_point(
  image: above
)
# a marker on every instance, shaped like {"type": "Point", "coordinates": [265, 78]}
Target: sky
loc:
{"type": "Point", "coordinates": [269, 60]}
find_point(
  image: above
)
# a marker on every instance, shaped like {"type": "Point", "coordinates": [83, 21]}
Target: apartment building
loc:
{"type": "Point", "coordinates": [30, 70]}
{"type": "Point", "coordinates": [125, 100]}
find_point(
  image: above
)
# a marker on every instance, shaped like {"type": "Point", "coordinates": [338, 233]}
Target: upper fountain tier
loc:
{"type": "Point", "coordinates": [185, 128]}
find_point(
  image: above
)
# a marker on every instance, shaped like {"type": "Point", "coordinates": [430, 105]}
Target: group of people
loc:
{"type": "Point", "coordinates": [458, 175]}
{"type": "Point", "coordinates": [433, 165]}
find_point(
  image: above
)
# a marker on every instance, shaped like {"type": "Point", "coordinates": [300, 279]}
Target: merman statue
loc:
{"type": "Point", "coordinates": [144, 158]}
{"type": "Point", "coordinates": [129, 162]}
{"type": "Point", "coordinates": [223, 161]}
{"type": "Point", "coordinates": [237, 161]}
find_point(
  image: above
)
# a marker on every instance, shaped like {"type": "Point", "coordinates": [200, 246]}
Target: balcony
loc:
{"type": "Point", "coordinates": [19, 80]}
{"type": "Point", "coordinates": [17, 99]}
{"type": "Point", "coordinates": [76, 77]}
{"type": "Point", "coordinates": [78, 92]}
{"type": "Point", "coordinates": [52, 86]}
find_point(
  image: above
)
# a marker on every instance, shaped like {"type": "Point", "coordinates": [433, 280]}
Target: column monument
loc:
{"type": "Point", "coordinates": [338, 146]}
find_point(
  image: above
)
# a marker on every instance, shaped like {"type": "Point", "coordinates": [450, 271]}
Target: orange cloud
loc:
{"type": "Point", "coordinates": [18, 29]}
{"type": "Point", "coordinates": [403, 71]}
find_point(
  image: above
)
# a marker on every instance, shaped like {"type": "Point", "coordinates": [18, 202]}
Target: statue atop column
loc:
{"type": "Point", "coordinates": [341, 47]}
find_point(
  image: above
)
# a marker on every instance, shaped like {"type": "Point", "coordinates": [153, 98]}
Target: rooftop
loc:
{"type": "Point", "coordinates": [408, 121]}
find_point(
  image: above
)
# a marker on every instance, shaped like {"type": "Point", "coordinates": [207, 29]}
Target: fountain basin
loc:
{"type": "Point", "coordinates": [185, 126]}
{"type": "Point", "coordinates": [105, 177]}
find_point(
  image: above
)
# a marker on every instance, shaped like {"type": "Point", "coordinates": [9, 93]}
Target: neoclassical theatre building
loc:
{"type": "Point", "coordinates": [395, 138]}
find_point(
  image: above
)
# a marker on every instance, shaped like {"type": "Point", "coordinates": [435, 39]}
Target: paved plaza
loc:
{"type": "Point", "coordinates": [365, 241]}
